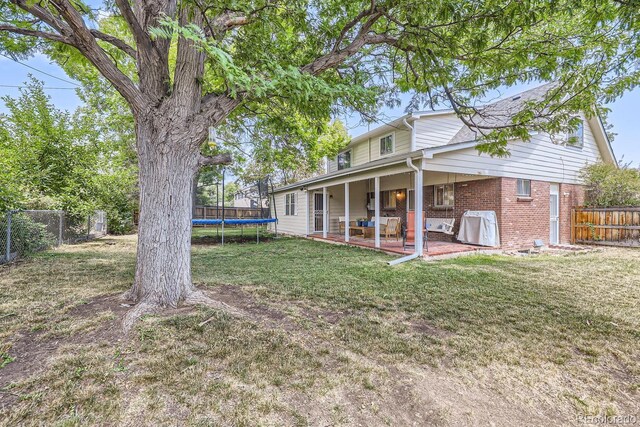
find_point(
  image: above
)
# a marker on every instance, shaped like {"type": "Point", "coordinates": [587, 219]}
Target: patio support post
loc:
{"type": "Point", "coordinates": [346, 212]}
{"type": "Point", "coordinates": [325, 216]}
{"type": "Point", "coordinates": [377, 211]}
{"type": "Point", "coordinates": [306, 197]}
{"type": "Point", "coordinates": [419, 209]}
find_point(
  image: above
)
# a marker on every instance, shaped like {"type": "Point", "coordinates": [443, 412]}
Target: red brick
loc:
{"type": "Point", "coordinates": [520, 221]}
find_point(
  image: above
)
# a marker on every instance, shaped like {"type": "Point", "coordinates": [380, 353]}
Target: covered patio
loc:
{"type": "Point", "coordinates": [374, 208]}
{"type": "Point", "coordinates": [435, 248]}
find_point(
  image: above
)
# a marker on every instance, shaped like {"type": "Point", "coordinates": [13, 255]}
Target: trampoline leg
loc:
{"type": "Point", "coordinates": [223, 234]}
{"type": "Point", "coordinates": [257, 234]}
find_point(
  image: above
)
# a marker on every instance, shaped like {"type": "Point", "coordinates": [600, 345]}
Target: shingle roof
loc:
{"type": "Point", "coordinates": [500, 112]}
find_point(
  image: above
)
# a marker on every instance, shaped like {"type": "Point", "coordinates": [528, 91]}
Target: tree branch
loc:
{"type": "Point", "coordinates": [36, 33]}
{"type": "Point", "coordinates": [189, 65]}
{"type": "Point", "coordinates": [219, 159]}
{"type": "Point", "coordinates": [139, 35]}
{"type": "Point", "coordinates": [120, 44]}
{"type": "Point", "coordinates": [337, 56]}
{"type": "Point", "coordinates": [87, 44]}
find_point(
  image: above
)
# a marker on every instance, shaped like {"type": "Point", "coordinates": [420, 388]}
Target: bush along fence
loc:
{"type": "Point", "coordinates": [23, 233]}
{"type": "Point", "coordinates": [606, 226]}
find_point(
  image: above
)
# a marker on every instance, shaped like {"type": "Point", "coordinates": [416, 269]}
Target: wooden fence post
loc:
{"type": "Point", "coordinates": [573, 226]}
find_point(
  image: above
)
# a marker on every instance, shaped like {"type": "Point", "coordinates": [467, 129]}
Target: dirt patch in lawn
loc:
{"type": "Point", "coordinates": [31, 351]}
{"type": "Point", "coordinates": [258, 312]}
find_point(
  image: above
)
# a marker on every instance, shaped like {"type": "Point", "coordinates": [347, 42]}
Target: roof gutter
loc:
{"type": "Point", "coordinates": [418, 241]}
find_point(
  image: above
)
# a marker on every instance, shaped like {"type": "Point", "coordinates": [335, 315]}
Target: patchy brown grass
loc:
{"type": "Point", "coordinates": [333, 336]}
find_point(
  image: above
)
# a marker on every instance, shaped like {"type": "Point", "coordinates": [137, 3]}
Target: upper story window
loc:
{"type": "Point", "coordinates": [576, 138]}
{"type": "Point", "coordinates": [443, 196]}
{"type": "Point", "coordinates": [344, 160]}
{"type": "Point", "coordinates": [523, 187]}
{"type": "Point", "coordinates": [386, 144]}
{"type": "Point", "coordinates": [290, 204]}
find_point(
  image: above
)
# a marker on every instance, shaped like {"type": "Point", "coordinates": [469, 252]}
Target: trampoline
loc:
{"type": "Point", "coordinates": [236, 221]}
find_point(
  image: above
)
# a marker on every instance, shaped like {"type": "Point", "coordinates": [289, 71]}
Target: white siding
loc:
{"type": "Point", "coordinates": [291, 224]}
{"type": "Point", "coordinates": [369, 150]}
{"type": "Point", "coordinates": [360, 154]}
{"type": "Point", "coordinates": [541, 159]}
{"type": "Point", "coordinates": [436, 130]}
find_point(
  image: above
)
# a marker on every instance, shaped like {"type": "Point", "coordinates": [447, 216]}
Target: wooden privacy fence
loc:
{"type": "Point", "coordinates": [606, 226]}
{"type": "Point", "coordinates": [215, 212]}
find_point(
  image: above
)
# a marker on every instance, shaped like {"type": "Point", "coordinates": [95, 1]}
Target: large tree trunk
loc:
{"type": "Point", "coordinates": [167, 169]}
{"type": "Point", "coordinates": [168, 159]}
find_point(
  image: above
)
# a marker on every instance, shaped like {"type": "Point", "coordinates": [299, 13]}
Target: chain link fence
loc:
{"type": "Point", "coordinates": [25, 232]}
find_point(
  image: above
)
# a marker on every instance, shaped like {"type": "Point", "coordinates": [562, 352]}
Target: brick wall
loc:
{"type": "Point", "coordinates": [523, 220]}
{"type": "Point", "coordinates": [520, 220]}
{"type": "Point", "coordinates": [399, 211]}
{"type": "Point", "coordinates": [571, 195]}
{"type": "Point", "coordinates": [481, 195]}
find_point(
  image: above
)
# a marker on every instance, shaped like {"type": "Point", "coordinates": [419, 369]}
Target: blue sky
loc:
{"type": "Point", "coordinates": [624, 112]}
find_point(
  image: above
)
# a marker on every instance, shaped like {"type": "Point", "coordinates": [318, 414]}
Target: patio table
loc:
{"type": "Point", "coordinates": [367, 232]}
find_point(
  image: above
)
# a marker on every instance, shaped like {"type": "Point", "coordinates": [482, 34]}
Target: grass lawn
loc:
{"type": "Point", "coordinates": [331, 336]}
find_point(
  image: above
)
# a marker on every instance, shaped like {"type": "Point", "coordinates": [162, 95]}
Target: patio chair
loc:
{"type": "Point", "coordinates": [409, 231]}
{"type": "Point", "coordinates": [392, 227]}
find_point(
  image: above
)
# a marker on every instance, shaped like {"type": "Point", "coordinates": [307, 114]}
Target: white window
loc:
{"type": "Point", "coordinates": [344, 160]}
{"type": "Point", "coordinates": [389, 199]}
{"type": "Point", "coordinates": [443, 196]}
{"type": "Point", "coordinates": [576, 138]}
{"type": "Point", "coordinates": [386, 144]}
{"type": "Point", "coordinates": [523, 187]}
{"type": "Point", "coordinates": [290, 204]}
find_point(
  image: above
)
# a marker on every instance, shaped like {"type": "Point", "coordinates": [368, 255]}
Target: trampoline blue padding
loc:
{"type": "Point", "coordinates": [233, 221]}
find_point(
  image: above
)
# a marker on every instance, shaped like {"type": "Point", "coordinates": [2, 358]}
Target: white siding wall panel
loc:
{"type": "Point", "coordinates": [291, 224]}
{"type": "Point", "coordinates": [369, 150]}
{"type": "Point", "coordinates": [360, 153]}
{"type": "Point", "coordinates": [436, 130]}
{"type": "Point", "coordinates": [332, 165]}
{"type": "Point", "coordinates": [540, 159]}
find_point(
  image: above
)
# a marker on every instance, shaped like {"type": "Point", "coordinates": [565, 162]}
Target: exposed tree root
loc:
{"type": "Point", "coordinates": [195, 297]}
{"type": "Point", "coordinates": [136, 313]}
{"type": "Point", "coordinates": [127, 296]}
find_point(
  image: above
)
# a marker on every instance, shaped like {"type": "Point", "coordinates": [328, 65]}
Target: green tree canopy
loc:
{"type": "Point", "coordinates": [611, 186]}
{"type": "Point", "coordinates": [52, 159]}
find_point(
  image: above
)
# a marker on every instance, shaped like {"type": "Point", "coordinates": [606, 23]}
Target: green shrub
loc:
{"type": "Point", "coordinates": [608, 185]}
{"type": "Point", "coordinates": [27, 235]}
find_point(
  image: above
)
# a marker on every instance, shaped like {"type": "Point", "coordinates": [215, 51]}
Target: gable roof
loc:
{"type": "Point", "coordinates": [500, 113]}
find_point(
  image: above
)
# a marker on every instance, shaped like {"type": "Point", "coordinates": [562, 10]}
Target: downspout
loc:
{"type": "Point", "coordinates": [418, 242]}
{"type": "Point", "coordinates": [413, 134]}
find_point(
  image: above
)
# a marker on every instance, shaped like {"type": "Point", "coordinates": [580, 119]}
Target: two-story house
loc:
{"type": "Point", "coordinates": [427, 163]}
